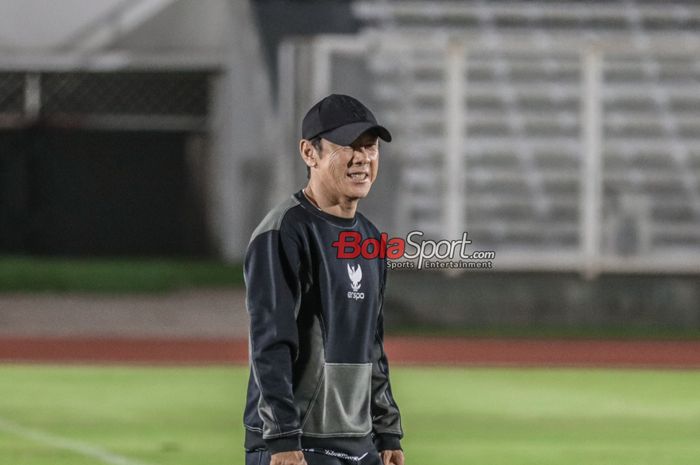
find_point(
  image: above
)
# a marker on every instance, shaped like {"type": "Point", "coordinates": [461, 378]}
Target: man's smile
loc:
{"type": "Point", "coordinates": [359, 177]}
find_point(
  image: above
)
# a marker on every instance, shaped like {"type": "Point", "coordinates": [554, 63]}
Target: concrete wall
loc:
{"type": "Point", "coordinates": [241, 127]}
{"type": "Point", "coordinates": [537, 300]}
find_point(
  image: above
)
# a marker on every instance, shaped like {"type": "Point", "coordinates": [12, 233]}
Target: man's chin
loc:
{"type": "Point", "coordinates": [359, 192]}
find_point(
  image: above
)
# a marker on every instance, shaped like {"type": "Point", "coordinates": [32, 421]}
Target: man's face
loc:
{"type": "Point", "coordinates": [349, 171]}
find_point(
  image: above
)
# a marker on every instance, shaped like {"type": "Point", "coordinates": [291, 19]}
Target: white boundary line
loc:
{"type": "Point", "coordinates": [81, 448]}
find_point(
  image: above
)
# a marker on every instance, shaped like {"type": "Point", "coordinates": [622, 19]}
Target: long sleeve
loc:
{"type": "Point", "coordinates": [273, 297]}
{"type": "Point", "coordinates": [386, 419]}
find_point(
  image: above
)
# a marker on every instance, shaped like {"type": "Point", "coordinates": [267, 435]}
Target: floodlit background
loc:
{"type": "Point", "coordinates": [141, 141]}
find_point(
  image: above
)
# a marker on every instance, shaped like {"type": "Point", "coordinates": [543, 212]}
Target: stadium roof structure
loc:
{"type": "Point", "coordinates": [111, 34]}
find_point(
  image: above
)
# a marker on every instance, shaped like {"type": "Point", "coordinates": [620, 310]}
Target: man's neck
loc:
{"type": "Point", "coordinates": [333, 205]}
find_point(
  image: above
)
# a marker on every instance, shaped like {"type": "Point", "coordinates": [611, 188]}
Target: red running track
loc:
{"type": "Point", "coordinates": [401, 350]}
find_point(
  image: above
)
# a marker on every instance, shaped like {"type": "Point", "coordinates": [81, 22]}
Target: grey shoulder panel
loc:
{"type": "Point", "coordinates": [273, 220]}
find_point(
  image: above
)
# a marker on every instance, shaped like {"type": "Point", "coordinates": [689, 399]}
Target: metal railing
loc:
{"type": "Point", "coordinates": [133, 100]}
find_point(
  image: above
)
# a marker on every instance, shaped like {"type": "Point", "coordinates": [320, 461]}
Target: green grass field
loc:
{"type": "Point", "coordinates": [192, 416]}
{"type": "Point", "coordinates": [114, 275]}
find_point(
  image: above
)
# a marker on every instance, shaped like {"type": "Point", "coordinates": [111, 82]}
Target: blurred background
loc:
{"type": "Point", "coordinates": [141, 142]}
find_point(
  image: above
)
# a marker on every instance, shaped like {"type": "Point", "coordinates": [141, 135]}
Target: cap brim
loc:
{"type": "Point", "coordinates": [347, 134]}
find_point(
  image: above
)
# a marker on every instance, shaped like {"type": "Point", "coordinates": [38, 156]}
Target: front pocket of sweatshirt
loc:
{"type": "Point", "coordinates": [341, 406]}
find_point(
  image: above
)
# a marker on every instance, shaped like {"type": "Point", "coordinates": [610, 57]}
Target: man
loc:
{"type": "Point", "coordinates": [319, 391]}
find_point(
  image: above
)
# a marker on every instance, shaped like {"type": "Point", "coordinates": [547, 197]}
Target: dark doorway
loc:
{"type": "Point", "coordinates": [80, 193]}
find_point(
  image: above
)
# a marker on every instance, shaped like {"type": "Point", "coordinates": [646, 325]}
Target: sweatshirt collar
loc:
{"type": "Point", "coordinates": [336, 220]}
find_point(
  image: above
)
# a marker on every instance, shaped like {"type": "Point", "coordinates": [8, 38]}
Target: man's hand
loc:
{"type": "Point", "coordinates": [292, 457]}
{"type": "Point", "coordinates": [392, 457]}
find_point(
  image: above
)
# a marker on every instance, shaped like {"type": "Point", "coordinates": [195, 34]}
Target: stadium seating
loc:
{"type": "Point", "coordinates": [522, 109]}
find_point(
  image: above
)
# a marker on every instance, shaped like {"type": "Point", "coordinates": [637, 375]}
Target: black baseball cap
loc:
{"type": "Point", "coordinates": [341, 119]}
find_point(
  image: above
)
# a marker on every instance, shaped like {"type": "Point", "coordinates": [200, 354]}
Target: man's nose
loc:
{"type": "Point", "coordinates": [361, 155]}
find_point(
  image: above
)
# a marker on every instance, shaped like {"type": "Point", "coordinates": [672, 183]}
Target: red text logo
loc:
{"type": "Point", "coordinates": [351, 245]}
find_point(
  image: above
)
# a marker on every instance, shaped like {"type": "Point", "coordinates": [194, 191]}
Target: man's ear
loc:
{"type": "Point", "coordinates": [308, 153]}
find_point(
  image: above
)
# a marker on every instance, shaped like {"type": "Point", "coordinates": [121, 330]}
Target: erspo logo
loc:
{"type": "Point", "coordinates": [355, 274]}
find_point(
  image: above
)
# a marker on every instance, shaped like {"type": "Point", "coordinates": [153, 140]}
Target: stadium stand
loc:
{"type": "Point", "coordinates": [522, 119]}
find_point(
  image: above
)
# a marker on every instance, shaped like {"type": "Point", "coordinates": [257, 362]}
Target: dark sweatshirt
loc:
{"type": "Point", "coordinates": [319, 376]}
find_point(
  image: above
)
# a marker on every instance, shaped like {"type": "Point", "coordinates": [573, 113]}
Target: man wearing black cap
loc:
{"type": "Point", "coordinates": [319, 391]}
